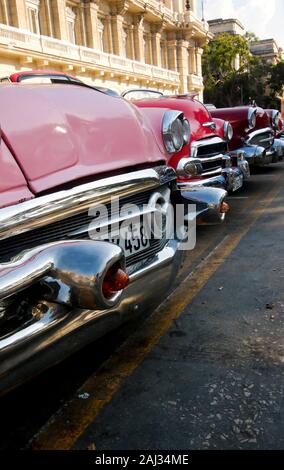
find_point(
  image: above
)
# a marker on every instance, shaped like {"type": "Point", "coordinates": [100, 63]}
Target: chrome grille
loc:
{"type": "Point", "coordinates": [208, 150]}
{"type": "Point", "coordinates": [263, 138]}
{"type": "Point", "coordinates": [76, 227]}
{"type": "Point", "coordinates": [210, 153]}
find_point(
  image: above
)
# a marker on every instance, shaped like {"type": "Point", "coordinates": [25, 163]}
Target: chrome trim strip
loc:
{"type": "Point", "coordinates": [209, 173]}
{"type": "Point", "coordinates": [47, 209]}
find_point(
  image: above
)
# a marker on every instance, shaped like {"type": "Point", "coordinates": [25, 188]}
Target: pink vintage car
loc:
{"type": "Point", "coordinates": [205, 159]}
{"type": "Point", "coordinates": [254, 133]}
{"type": "Point", "coordinates": [76, 257]}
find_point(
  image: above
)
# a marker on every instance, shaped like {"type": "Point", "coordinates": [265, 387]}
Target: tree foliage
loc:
{"type": "Point", "coordinates": [220, 56]}
{"type": "Point", "coordinates": [277, 78]}
{"type": "Point", "coordinates": [232, 76]}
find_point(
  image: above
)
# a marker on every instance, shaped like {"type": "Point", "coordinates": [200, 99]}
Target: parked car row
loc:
{"type": "Point", "coordinates": [83, 173]}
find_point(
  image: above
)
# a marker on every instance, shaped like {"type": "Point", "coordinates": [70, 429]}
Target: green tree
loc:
{"type": "Point", "coordinates": [232, 76]}
{"type": "Point", "coordinates": [277, 78]}
{"type": "Point", "coordinates": [251, 37]}
{"type": "Point", "coordinates": [220, 55]}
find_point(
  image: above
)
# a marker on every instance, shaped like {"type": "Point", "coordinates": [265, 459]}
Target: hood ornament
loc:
{"type": "Point", "coordinates": [210, 124]}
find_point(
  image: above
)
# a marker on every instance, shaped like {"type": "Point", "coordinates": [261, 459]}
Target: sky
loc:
{"type": "Point", "coordinates": [263, 17]}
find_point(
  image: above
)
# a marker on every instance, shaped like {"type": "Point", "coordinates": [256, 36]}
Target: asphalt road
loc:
{"type": "Point", "coordinates": [204, 371]}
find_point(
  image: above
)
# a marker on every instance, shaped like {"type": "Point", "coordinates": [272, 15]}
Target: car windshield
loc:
{"type": "Point", "coordinates": [141, 94]}
{"type": "Point", "coordinates": [56, 78]}
{"type": "Point", "coordinates": [48, 78]}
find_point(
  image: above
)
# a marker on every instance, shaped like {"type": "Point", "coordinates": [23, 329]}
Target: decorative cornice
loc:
{"type": "Point", "coordinates": [120, 7]}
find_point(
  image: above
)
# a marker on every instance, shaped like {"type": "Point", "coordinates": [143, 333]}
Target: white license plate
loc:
{"type": "Point", "coordinates": [132, 238]}
{"type": "Point", "coordinates": [238, 182]}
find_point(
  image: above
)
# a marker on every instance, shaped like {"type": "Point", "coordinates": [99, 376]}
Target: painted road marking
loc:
{"type": "Point", "coordinates": [65, 428]}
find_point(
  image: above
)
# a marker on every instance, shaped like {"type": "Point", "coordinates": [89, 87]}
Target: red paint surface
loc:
{"type": "Point", "coordinates": [238, 117]}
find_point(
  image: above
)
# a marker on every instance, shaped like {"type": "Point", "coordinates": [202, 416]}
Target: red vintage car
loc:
{"type": "Point", "coordinates": [205, 159]}
{"type": "Point", "coordinates": [254, 133]}
{"type": "Point", "coordinates": [76, 257]}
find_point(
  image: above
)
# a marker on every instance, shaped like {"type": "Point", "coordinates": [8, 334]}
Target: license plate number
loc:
{"type": "Point", "coordinates": [132, 239]}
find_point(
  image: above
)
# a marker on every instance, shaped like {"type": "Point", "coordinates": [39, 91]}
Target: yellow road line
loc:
{"type": "Point", "coordinates": [65, 428]}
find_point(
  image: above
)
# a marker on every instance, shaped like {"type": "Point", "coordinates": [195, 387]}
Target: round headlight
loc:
{"type": "Point", "coordinates": [252, 118]}
{"type": "Point", "coordinates": [228, 131]}
{"type": "Point", "coordinates": [186, 131]}
{"type": "Point", "coordinates": [175, 131]}
{"type": "Point", "coordinates": [177, 134]}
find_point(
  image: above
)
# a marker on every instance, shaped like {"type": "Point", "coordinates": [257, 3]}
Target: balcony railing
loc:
{"type": "Point", "coordinates": [194, 81]}
{"type": "Point", "coordinates": [28, 43]}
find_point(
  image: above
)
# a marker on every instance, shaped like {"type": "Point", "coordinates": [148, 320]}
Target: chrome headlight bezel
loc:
{"type": "Point", "coordinates": [228, 131]}
{"type": "Point", "coordinates": [252, 118]}
{"type": "Point", "coordinates": [175, 131]}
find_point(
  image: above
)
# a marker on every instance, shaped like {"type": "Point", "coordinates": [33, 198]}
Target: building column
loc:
{"type": "Point", "coordinates": [19, 14]}
{"type": "Point", "coordinates": [138, 36]}
{"type": "Point", "coordinates": [91, 20]}
{"type": "Point", "coordinates": [192, 61]}
{"type": "Point", "coordinates": [118, 34]}
{"type": "Point", "coordinates": [80, 28]}
{"type": "Point", "coordinates": [108, 35]}
{"type": "Point", "coordinates": [59, 16]}
{"type": "Point", "coordinates": [182, 64]}
{"type": "Point", "coordinates": [156, 46]}
{"type": "Point", "coordinates": [172, 48]}
{"type": "Point", "coordinates": [199, 52]}
{"type": "Point", "coordinates": [46, 21]}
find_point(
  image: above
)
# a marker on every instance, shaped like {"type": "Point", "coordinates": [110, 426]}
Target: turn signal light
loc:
{"type": "Point", "coordinates": [224, 208]}
{"type": "Point", "coordinates": [114, 281]}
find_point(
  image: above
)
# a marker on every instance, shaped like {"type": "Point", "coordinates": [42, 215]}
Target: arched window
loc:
{"type": "Point", "coordinates": [33, 15]}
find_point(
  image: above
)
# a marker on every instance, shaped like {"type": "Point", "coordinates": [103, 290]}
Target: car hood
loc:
{"type": "Point", "coordinates": [238, 117]}
{"type": "Point", "coordinates": [61, 133]}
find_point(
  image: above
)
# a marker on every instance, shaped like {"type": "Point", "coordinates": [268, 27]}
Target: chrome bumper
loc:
{"type": "Point", "coordinates": [277, 150]}
{"type": "Point", "coordinates": [208, 202]}
{"type": "Point", "coordinates": [258, 156]}
{"type": "Point", "coordinates": [231, 179]}
{"type": "Point", "coordinates": [61, 295]}
{"type": "Point", "coordinates": [51, 337]}
{"type": "Point", "coordinates": [253, 154]}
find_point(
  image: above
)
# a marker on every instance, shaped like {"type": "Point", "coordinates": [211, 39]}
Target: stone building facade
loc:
{"type": "Point", "coordinates": [229, 25]}
{"type": "Point", "coordinates": [267, 49]}
{"type": "Point", "coordinates": [115, 43]}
